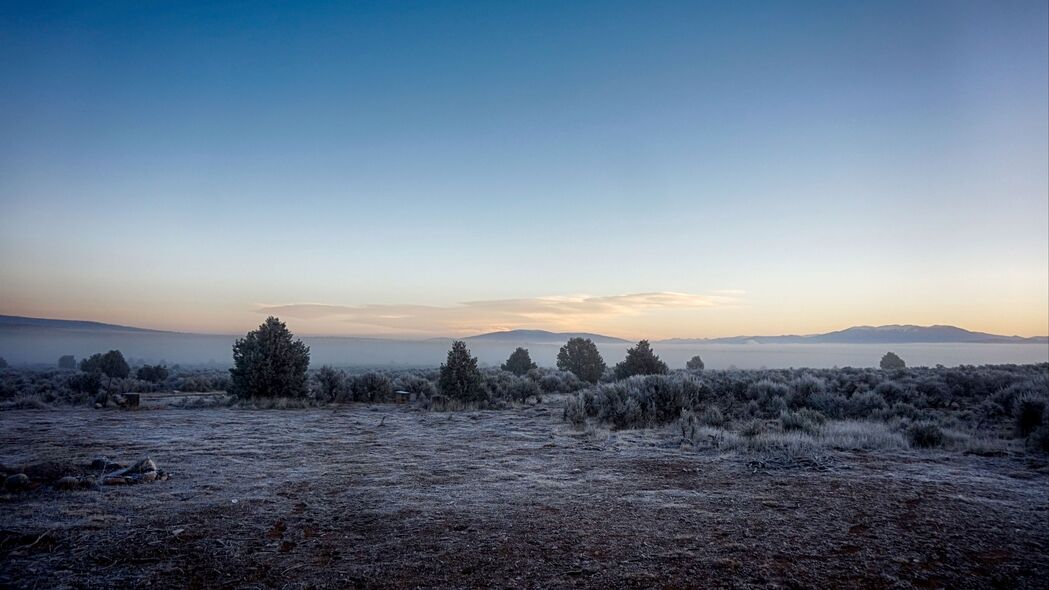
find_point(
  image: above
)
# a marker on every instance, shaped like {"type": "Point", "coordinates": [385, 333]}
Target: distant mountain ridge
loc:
{"type": "Point", "coordinates": [890, 334]}
{"type": "Point", "coordinates": [13, 321]}
{"type": "Point", "coordinates": [543, 336]}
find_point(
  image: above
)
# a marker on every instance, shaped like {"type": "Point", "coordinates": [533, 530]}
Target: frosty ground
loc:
{"type": "Point", "coordinates": [393, 496]}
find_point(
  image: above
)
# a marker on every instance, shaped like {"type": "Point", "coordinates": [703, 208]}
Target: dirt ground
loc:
{"type": "Point", "coordinates": [390, 496]}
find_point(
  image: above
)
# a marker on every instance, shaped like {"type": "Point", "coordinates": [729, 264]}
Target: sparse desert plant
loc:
{"type": "Point", "coordinates": [269, 362]}
{"type": "Point", "coordinates": [581, 357]}
{"type": "Point", "coordinates": [460, 379]}
{"type": "Point", "coordinates": [640, 360]}
{"type": "Point", "coordinates": [519, 362]}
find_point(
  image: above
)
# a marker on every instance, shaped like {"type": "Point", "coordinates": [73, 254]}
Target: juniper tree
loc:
{"type": "Point", "coordinates": [332, 382]}
{"type": "Point", "coordinates": [695, 364]}
{"type": "Point", "coordinates": [269, 362]}
{"type": "Point", "coordinates": [67, 362]}
{"type": "Point", "coordinates": [640, 360]}
{"type": "Point", "coordinates": [581, 357]}
{"type": "Point", "coordinates": [519, 363]}
{"type": "Point", "coordinates": [892, 361]}
{"type": "Point", "coordinates": [152, 373]}
{"type": "Point", "coordinates": [460, 379]}
{"type": "Point", "coordinates": [110, 364]}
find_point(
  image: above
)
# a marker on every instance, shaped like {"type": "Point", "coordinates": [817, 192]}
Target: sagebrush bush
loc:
{"type": "Point", "coordinates": [370, 387]}
{"type": "Point", "coordinates": [925, 435]}
{"type": "Point", "coordinates": [1029, 410]}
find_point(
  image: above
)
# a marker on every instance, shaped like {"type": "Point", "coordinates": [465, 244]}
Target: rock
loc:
{"type": "Point", "coordinates": [71, 483]}
{"type": "Point", "coordinates": [18, 482]}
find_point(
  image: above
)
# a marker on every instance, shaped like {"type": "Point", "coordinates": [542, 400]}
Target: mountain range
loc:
{"type": "Point", "coordinates": [890, 334]}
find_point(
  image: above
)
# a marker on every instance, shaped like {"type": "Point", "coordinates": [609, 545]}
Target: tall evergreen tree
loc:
{"type": "Point", "coordinates": [460, 379]}
{"type": "Point", "coordinates": [580, 356]}
{"type": "Point", "coordinates": [269, 362]}
{"type": "Point", "coordinates": [519, 363]}
{"type": "Point", "coordinates": [640, 360]}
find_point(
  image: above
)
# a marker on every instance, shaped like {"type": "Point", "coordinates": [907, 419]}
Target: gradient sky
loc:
{"type": "Point", "coordinates": [642, 169]}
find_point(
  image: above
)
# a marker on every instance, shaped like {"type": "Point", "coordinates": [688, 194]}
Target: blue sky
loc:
{"type": "Point", "coordinates": [425, 168]}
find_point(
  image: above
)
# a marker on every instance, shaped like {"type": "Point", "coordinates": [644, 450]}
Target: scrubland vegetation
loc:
{"type": "Point", "coordinates": [798, 413]}
{"type": "Point", "coordinates": [789, 412]}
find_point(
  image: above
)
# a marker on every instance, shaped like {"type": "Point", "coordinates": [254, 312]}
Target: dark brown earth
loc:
{"type": "Point", "coordinates": [388, 496]}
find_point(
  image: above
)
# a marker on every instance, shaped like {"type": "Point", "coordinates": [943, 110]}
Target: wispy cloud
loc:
{"type": "Point", "coordinates": [556, 313]}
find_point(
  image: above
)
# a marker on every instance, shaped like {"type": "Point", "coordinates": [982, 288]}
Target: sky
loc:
{"type": "Point", "coordinates": [639, 169]}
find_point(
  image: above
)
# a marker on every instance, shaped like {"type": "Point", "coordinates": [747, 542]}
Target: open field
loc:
{"type": "Point", "coordinates": [391, 496]}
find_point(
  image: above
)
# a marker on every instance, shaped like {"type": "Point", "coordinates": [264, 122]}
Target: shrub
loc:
{"type": "Point", "coordinates": [867, 436]}
{"type": "Point", "coordinates": [695, 364]}
{"type": "Point", "coordinates": [1040, 438]}
{"type": "Point", "coordinates": [370, 387]}
{"type": "Point", "coordinates": [1028, 413]}
{"type": "Point", "coordinates": [752, 428]}
{"type": "Point", "coordinates": [890, 391]}
{"type": "Point", "coordinates": [804, 420]}
{"type": "Point", "coordinates": [86, 383]}
{"type": "Point", "coordinates": [557, 382]}
{"type": "Point", "coordinates": [268, 362]}
{"type": "Point", "coordinates": [415, 384]}
{"type": "Point", "coordinates": [459, 378]}
{"type": "Point", "coordinates": [581, 357]}
{"type": "Point", "coordinates": [519, 362]}
{"type": "Point", "coordinates": [640, 360]}
{"type": "Point", "coordinates": [575, 412]}
{"type": "Point", "coordinates": [152, 373]}
{"type": "Point", "coordinates": [864, 405]}
{"type": "Point", "coordinates": [331, 383]}
{"type": "Point", "coordinates": [67, 362]}
{"type": "Point", "coordinates": [925, 435]}
{"type": "Point", "coordinates": [522, 389]}
{"type": "Point", "coordinates": [830, 404]}
{"type": "Point", "coordinates": [712, 416]}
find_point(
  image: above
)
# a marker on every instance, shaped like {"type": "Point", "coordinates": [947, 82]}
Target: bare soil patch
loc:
{"type": "Point", "coordinates": [391, 496]}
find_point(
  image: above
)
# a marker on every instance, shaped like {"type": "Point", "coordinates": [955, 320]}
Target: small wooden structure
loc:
{"type": "Point", "coordinates": [402, 397]}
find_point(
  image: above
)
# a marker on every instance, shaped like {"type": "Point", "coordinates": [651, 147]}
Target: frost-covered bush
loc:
{"type": "Point", "coordinates": [370, 387]}
{"type": "Point", "coordinates": [1029, 412]}
{"type": "Point", "coordinates": [415, 383]}
{"type": "Point", "coordinates": [863, 405]}
{"type": "Point", "coordinates": [925, 435]}
{"type": "Point", "coordinates": [805, 420]}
